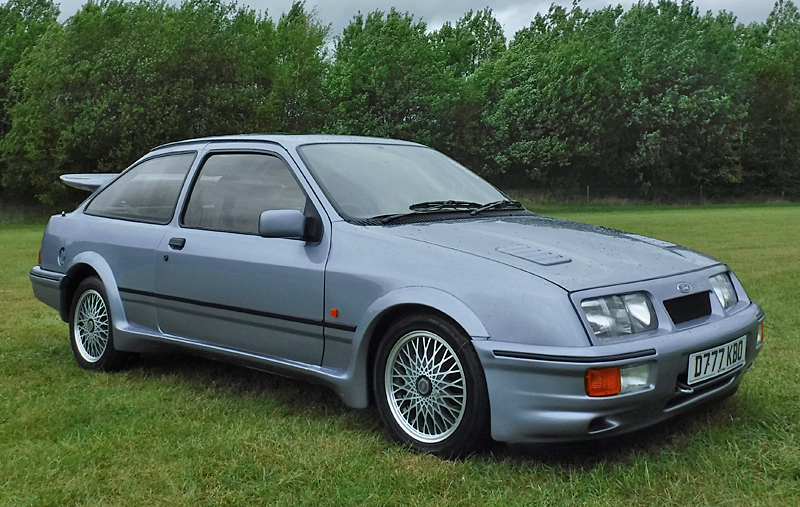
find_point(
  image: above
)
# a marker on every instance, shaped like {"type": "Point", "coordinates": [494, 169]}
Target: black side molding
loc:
{"type": "Point", "coordinates": [574, 359]}
{"type": "Point", "coordinates": [259, 313]}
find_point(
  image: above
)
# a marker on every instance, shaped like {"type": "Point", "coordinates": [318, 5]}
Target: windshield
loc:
{"type": "Point", "coordinates": [373, 180]}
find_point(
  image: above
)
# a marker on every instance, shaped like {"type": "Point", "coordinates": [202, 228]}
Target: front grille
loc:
{"type": "Point", "coordinates": [686, 308]}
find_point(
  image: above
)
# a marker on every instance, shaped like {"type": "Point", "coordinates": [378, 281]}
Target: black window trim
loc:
{"type": "Point", "coordinates": [239, 151]}
{"type": "Point", "coordinates": [130, 168]}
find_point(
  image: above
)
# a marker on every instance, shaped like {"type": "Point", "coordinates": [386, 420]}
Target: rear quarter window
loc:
{"type": "Point", "coordinates": [148, 192]}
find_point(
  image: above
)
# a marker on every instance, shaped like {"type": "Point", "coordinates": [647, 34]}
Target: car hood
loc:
{"type": "Point", "coordinates": [572, 255]}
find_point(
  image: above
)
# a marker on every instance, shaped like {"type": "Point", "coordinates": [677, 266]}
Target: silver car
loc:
{"type": "Point", "coordinates": [395, 276]}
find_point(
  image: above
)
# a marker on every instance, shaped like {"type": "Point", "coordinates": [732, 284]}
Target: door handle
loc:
{"type": "Point", "coordinates": [177, 243]}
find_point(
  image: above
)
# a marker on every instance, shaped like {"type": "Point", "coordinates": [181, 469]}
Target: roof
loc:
{"type": "Point", "coordinates": [288, 140]}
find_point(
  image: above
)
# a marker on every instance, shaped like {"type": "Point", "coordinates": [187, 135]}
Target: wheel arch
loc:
{"type": "Point", "coordinates": [75, 275]}
{"type": "Point", "coordinates": [83, 266]}
{"type": "Point", "coordinates": [388, 309]}
{"type": "Point", "coordinates": [384, 322]}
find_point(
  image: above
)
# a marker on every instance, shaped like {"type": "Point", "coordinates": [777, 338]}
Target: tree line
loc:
{"type": "Point", "coordinates": [652, 100]}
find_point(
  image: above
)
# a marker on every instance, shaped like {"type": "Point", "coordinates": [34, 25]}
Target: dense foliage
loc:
{"type": "Point", "coordinates": [656, 101]}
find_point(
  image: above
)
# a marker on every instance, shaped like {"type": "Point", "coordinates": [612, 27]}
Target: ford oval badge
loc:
{"type": "Point", "coordinates": [684, 287]}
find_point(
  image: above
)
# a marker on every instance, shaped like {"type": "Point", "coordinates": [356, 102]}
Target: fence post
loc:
{"type": "Point", "coordinates": [587, 195]}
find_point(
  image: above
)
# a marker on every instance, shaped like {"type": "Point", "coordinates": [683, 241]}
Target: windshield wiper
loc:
{"type": "Point", "coordinates": [434, 206]}
{"type": "Point", "coordinates": [504, 204]}
{"type": "Point", "coordinates": [429, 207]}
{"type": "Point", "coordinates": [439, 205]}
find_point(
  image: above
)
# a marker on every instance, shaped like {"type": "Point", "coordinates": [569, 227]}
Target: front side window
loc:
{"type": "Point", "coordinates": [233, 189]}
{"type": "Point", "coordinates": [147, 192]}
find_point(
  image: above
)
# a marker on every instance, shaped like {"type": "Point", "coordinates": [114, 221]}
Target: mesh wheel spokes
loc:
{"type": "Point", "coordinates": [91, 325]}
{"type": "Point", "coordinates": [425, 386]}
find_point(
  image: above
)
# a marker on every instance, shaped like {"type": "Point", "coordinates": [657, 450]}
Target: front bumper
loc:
{"type": "Point", "coordinates": [537, 394]}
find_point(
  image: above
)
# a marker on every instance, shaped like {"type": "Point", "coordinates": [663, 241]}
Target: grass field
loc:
{"type": "Point", "coordinates": [177, 430]}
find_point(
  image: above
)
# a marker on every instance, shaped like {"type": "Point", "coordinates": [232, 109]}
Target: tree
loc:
{"type": "Point", "coordinates": [659, 98]}
{"type": "Point", "coordinates": [551, 98]}
{"type": "Point", "coordinates": [22, 22]}
{"type": "Point", "coordinates": [119, 78]}
{"type": "Point", "coordinates": [385, 78]}
{"type": "Point", "coordinates": [682, 97]}
{"type": "Point", "coordinates": [771, 151]}
{"type": "Point", "coordinates": [652, 97]}
{"type": "Point", "coordinates": [476, 39]}
{"type": "Point", "coordinates": [300, 70]}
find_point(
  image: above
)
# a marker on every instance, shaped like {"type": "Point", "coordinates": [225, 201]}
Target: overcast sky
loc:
{"type": "Point", "coordinates": [512, 14]}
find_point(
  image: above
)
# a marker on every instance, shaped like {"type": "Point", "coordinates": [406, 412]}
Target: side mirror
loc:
{"type": "Point", "coordinates": [282, 223]}
{"type": "Point", "coordinates": [288, 223]}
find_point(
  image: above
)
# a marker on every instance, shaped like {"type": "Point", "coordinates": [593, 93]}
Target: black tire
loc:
{"type": "Point", "coordinates": [436, 400]}
{"type": "Point", "coordinates": [90, 328]}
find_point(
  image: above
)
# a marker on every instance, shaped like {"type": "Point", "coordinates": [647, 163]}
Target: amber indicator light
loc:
{"type": "Point", "coordinates": [334, 312]}
{"type": "Point", "coordinates": [603, 381]}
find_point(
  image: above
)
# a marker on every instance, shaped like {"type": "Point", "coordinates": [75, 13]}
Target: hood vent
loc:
{"type": "Point", "coordinates": [541, 257]}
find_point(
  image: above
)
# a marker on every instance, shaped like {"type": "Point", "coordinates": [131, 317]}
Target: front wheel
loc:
{"type": "Point", "coordinates": [430, 388]}
{"type": "Point", "coordinates": [90, 328]}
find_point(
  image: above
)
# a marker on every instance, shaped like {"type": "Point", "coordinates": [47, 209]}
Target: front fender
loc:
{"type": "Point", "coordinates": [436, 299]}
{"type": "Point", "coordinates": [353, 380]}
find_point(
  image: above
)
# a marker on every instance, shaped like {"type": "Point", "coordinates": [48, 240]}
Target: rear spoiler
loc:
{"type": "Point", "coordinates": [90, 182]}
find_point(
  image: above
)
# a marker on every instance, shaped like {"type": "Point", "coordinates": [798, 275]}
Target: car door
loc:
{"type": "Point", "coordinates": [218, 282]}
{"type": "Point", "coordinates": [125, 223]}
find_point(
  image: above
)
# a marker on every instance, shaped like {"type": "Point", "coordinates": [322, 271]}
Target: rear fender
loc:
{"type": "Point", "coordinates": [97, 263]}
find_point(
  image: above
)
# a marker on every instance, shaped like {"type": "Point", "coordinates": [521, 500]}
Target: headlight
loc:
{"type": "Point", "coordinates": [619, 315]}
{"type": "Point", "coordinates": [723, 288]}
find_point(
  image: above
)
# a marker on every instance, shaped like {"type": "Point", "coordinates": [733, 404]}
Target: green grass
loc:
{"type": "Point", "coordinates": [178, 430]}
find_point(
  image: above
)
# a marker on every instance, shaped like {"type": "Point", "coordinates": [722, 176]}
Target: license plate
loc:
{"type": "Point", "coordinates": [714, 362]}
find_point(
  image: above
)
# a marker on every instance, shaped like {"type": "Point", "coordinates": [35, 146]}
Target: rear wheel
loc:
{"type": "Point", "coordinates": [430, 388]}
{"type": "Point", "coordinates": [91, 330]}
